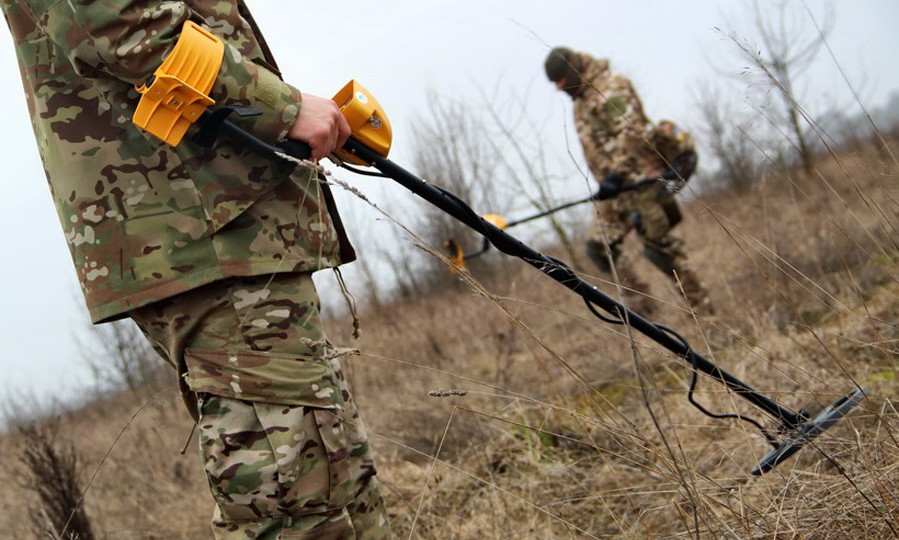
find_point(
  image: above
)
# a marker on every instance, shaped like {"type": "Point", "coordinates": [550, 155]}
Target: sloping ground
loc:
{"type": "Point", "coordinates": [577, 467]}
{"type": "Point", "coordinates": [507, 410]}
{"type": "Point", "coordinates": [563, 432]}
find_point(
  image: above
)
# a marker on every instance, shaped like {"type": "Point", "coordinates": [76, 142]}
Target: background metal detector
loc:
{"type": "Point", "coordinates": [456, 250]}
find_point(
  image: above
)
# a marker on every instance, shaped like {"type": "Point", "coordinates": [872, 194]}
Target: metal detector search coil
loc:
{"type": "Point", "coordinates": [805, 432]}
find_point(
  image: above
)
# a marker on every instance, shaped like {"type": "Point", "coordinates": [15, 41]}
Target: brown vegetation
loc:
{"type": "Point", "coordinates": [503, 409]}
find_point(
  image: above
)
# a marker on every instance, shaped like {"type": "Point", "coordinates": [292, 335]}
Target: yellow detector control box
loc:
{"type": "Point", "coordinates": [457, 258]}
{"type": "Point", "coordinates": [178, 92]}
{"type": "Point", "coordinates": [496, 220]}
{"type": "Point", "coordinates": [367, 121]}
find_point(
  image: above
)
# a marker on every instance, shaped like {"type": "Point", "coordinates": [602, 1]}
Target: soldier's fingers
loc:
{"type": "Point", "coordinates": [343, 131]}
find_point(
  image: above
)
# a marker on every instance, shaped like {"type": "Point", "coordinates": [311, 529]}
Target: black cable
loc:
{"type": "Point", "coordinates": [694, 380]}
{"type": "Point", "coordinates": [463, 206]}
{"type": "Point", "coordinates": [363, 172]}
{"type": "Point", "coordinates": [599, 315]}
{"type": "Point", "coordinates": [620, 320]}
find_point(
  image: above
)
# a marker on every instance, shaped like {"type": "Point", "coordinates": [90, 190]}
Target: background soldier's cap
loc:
{"type": "Point", "coordinates": [558, 63]}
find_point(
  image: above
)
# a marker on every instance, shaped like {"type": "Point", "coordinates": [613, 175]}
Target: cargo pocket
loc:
{"type": "Point", "coordinates": [333, 431]}
{"type": "Point", "coordinates": [268, 461]}
{"type": "Point", "coordinates": [272, 433]}
{"type": "Point", "coordinates": [286, 379]}
{"type": "Point", "coordinates": [239, 461]}
{"type": "Point", "coordinates": [340, 528]}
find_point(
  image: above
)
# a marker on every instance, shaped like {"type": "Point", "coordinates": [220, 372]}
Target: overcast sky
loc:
{"type": "Point", "coordinates": [401, 50]}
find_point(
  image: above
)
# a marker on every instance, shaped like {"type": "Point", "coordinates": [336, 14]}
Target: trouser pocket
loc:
{"type": "Point", "coordinates": [339, 528]}
{"type": "Point", "coordinates": [272, 433]}
{"type": "Point", "coordinates": [266, 460]}
{"type": "Point", "coordinates": [333, 431]}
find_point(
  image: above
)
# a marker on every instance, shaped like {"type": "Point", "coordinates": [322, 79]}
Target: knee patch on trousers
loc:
{"type": "Point", "coordinates": [660, 259]}
{"type": "Point", "coordinates": [599, 253]}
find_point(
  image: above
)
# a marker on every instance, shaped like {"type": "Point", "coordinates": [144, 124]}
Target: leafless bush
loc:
{"type": "Point", "coordinates": [23, 406]}
{"type": "Point", "coordinates": [450, 153]}
{"type": "Point", "coordinates": [524, 159]}
{"type": "Point", "coordinates": [486, 155]}
{"type": "Point", "coordinates": [122, 358]}
{"type": "Point", "coordinates": [786, 46]}
{"type": "Point", "coordinates": [738, 160]}
{"type": "Point", "coordinates": [53, 477]}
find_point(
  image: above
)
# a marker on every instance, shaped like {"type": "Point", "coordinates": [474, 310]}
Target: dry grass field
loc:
{"type": "Point", "coordinates": [504, 409]}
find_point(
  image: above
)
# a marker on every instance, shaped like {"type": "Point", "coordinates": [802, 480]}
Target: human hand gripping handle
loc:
{"type": "Point", "coordinates": [610, 187]}
{"type": "Point", "coordinates": [320, 130]}
{"type": "Point", "coordinates": [320, 125]}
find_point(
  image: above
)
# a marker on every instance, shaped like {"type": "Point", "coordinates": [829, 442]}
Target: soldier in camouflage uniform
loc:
{"type": "Point", "coordinates": [210, 251]}
{"type": "Point", "coordinates": [622, 147]}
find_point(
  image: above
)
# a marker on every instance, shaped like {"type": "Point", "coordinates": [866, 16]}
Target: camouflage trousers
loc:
{"type": "Point", "coordinates": [652, 216]}
{"type": "Point", "coordinates": [284, 450]}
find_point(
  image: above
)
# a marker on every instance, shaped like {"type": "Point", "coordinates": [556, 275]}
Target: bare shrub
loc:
{"type": "Point", "coordinates": [122, 358]}
{"type": "Point", "coordinates": [485, 154]}
{"type": "Point", "coordinates": [450, 153]}
{"type": "Point", "coordinates": [53, 476]}
{"type": "Point", "coordinates": [22, 406]}
{"type": "Point", "coordinates": [729, 138]}
{"type": "Point", "coordinates": [787, 47]}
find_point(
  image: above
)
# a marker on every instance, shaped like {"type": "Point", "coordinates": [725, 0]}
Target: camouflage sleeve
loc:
{"type": "Point", "coordinates": [591, 137]}
{"type": "Point", "coordinates": [611, 124]}
{"type": "Point", "coordinates": [128, 39]}
{"type": "Point", "coordinates": [629, 124]}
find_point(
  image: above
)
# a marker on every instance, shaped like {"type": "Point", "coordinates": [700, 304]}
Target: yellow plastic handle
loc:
{"type": "Point", "coordinates": [457, 258]}
{"type": "Point", "coordinates": [177, 94]}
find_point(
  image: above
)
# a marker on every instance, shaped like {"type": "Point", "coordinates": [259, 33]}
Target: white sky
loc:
{"type": "Point", "coordinates": [400, 50]}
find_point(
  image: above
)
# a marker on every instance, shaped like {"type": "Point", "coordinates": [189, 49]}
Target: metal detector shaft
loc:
{"type": "Point", "coordinates": [508, 244]}
{"type": "Point", "coordinates": [552, 210]}
{"type": "Point", "coordinates": [627, 187]}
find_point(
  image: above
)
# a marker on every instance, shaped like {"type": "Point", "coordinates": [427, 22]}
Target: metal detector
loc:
{"type": "Point", "coordinates": [459, 257]}
{"type": "Point", "coordinates": [369, 146]}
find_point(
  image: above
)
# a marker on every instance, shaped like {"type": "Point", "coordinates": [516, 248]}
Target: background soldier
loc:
{"type": "Point", "coordinates": [622, 147]}
{"type": "Point", "coordinates": [210, 251]}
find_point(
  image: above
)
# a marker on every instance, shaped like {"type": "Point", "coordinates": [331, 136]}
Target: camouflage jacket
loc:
{"type": "Point", "coordinates": [146, 221]}
{"type": "Point", "coordinates": [610, 122]}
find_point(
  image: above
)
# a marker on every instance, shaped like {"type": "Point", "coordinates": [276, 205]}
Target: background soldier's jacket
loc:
{"type": "Point", "coordinates": [610, 122]}
{"type": "Point", "coordinates": [675, 148]}
{"type": "Point", "coordinates": [145, 221]}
